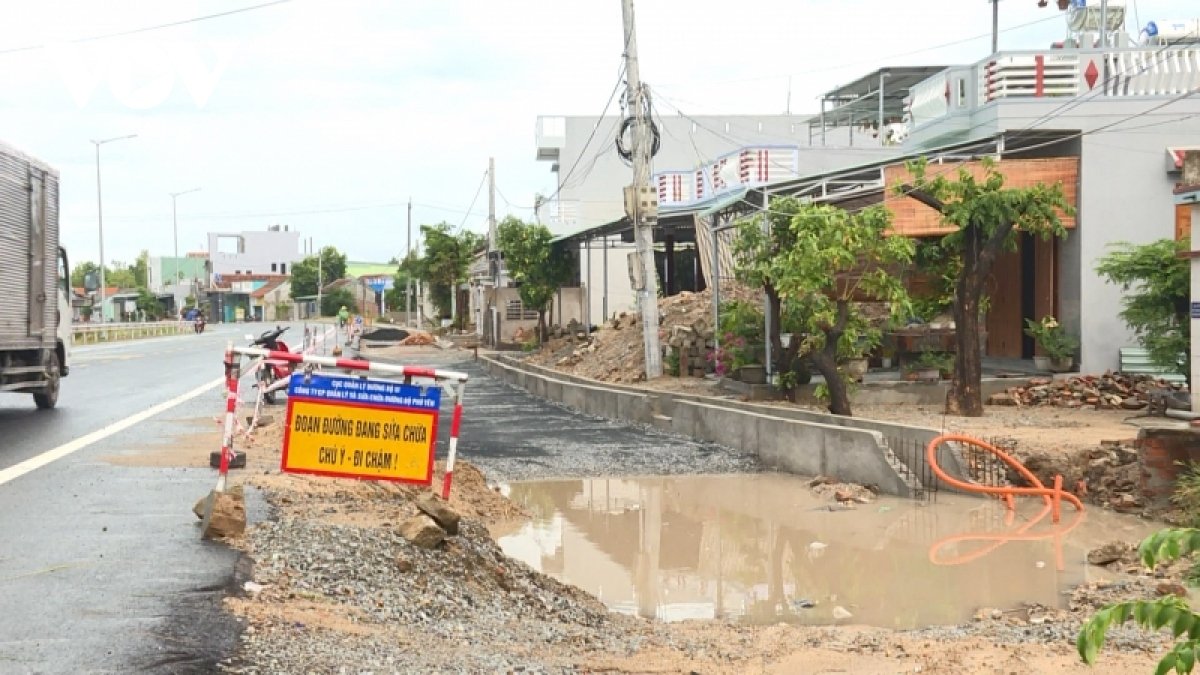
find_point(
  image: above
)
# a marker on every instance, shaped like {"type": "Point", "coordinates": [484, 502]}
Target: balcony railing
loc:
{"type": "Point", "coordinates": [1056, 73]}
{"type": "Point", "coordinates": [750, 166]}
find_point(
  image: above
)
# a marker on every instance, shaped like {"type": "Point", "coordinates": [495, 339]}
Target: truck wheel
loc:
{"type": "Point", "coordinates": [48, 398]}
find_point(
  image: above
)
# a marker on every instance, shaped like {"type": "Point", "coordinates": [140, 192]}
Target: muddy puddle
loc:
{"type": "Point", "coordinates": [765, 549]}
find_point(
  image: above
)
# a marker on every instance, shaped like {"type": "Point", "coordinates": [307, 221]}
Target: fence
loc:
{"type": "Point", "coordinates": [86, 333]}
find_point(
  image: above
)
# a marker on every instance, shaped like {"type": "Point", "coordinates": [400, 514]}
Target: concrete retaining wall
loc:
{"type": "Point", "coordinates": [667, 404]}
{"type": "Point", "coordinates": [787, 439]}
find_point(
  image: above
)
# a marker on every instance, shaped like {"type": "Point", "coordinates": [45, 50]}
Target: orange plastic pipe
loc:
{"type": "Point", "coordinates": [1053, 496]}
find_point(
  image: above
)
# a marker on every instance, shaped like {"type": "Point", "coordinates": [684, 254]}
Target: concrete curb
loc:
{"type": "Point", "coordinates": [794, 441]}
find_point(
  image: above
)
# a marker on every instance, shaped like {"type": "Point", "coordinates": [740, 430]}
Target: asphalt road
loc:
{"type": "Point", "coordinates": [101, 570]}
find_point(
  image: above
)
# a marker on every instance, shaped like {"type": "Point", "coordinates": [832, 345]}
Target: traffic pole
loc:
{"type": "Point", "coordinates": [449, 475]}
{"type": "Point", "coordinates": [232, 375]}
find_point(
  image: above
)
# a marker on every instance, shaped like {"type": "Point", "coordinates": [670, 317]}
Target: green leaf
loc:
{"type": "Point", "coordinates": [1167, 664]}
{"type": "Point", "coordinates": [1187, 657]}
{"type": "Point", "coordinates": [1183, 623]}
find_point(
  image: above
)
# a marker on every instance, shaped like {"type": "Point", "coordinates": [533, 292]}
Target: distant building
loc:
{"type": "Point", "coordinates": [269, 252]}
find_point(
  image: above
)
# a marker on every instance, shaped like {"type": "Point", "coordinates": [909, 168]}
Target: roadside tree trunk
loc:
{"type": "Point", "coordinates": [826, 362]}
{"type": "Point", "coordinates": [966, 388]}
{"type": "Point", "coordinates": [542, 329]}
{"type": "Point", "coordinates": [775, 303]}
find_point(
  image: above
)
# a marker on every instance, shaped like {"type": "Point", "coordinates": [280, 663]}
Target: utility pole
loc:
{"type": "Point", "coordinates": [995, 26]}
{"type": "Point", "coordinates": [643, 221]}
{"type": "Point", "coordinates": [320, 283]}
{"type": "Point", "coordinates": [408, 272]}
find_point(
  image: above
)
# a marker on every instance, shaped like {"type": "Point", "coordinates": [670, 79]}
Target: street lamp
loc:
{"type": "Point", "coordinates": [175, 226]}
{"type": "Point", "coordinates": [100, 215]}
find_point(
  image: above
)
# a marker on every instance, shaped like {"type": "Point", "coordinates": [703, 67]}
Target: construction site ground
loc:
{"type": "Point", "coordinates": [333, 585]}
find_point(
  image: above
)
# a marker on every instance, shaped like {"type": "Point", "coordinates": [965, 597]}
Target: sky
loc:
{"type": "Point", "coordinates": [329, 115]}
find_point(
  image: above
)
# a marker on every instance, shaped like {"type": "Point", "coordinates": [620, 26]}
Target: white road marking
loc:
{"type": "Point", "coordinates": [33, 463]}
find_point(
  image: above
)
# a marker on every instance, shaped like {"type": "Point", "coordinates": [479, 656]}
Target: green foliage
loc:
{"type": "Point", "coordinates": [1153, 615]}
{"type": "Point", "coordinates": [671, 363]}
{"type": "Point", "coordinates": [445, 263]}
{"type": "Point", "coordinates": [120, 276]}
{"type": "Point", "coordinates": [1056, 342]}
{"type": "Point", "coordinates": [405, 273]}
{"type": "Point", "coordinates": [943, 362]}
{"type": "Point", "coordinates": [334, 300]}
{"type": "Point", "coordinates": [1157, 287]}
{"type": "Point", "coordinates": [1187, 492]}
{"type": "Point", "coordinates": [80, 272]}
{"type": "Point", "coordinates": [305, 276]}
{"type": "Point", "coordinates": [149, 305]}
{"type": "Point", "coordinates": [742, 331]}
{"type": "Point", "coordinates": [538, 269]}
{"type": "Point", "coordinates": [821, 260]}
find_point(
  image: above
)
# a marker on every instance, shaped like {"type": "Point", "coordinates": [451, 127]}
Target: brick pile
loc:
{"type": "Point", "coordinates": [1099, 392]}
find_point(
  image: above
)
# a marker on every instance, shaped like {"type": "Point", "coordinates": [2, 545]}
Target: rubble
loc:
{"type": "Point", "coordinates": [1107, 475]}
{"type": "Point", "coordinates": [422, 531]}
{"type": "Point", "coordinates": [615, 352]}
{"type": "Point", "coordinates": [1100, 392]}
{"type": "Point", "coordinates": [418, 339]}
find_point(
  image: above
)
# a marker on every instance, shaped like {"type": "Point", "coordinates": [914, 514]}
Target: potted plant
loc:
{"type": "Point", "coordinates": [927, 367]}
{"type": "Point", "coordinates": [1058, 346]}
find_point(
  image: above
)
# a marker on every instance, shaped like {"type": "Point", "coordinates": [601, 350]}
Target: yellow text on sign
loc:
{"type": "Point", "coordinates": [359, 442]}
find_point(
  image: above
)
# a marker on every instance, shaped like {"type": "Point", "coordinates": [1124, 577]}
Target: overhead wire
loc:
{"type": "Point", "coordinates": [150, 28]}
{"type": "Point", "coordinates": [474, 199]}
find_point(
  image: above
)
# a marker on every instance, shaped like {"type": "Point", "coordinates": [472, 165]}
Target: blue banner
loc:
{"type": "Point", "coordinates": [354, 390]}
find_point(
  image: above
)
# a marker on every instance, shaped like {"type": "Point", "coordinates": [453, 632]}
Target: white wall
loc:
{"type": "Point", "coordinates": [260, 251]}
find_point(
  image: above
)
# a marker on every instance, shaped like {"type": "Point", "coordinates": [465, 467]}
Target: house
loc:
{"type": "Point", "coordinates": [272, 301]}
{"type": "Point", "coordinates": [701, 159]}
{"type": "Point", "coordinates": [366, 298]}
{"type": "Point", "coordinates": [230, 297]}
{"type": "Point", "coordinates": [272, 252]}
{"type": "Point", "coordinates": [1114, 142]}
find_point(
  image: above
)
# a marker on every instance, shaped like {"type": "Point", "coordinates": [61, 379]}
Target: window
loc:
{"type": "Point", "coordinates": [962, 92]}
{"type": "Point", "coordinates": [513, 311]}
{"type": "Point", "coordinates": [274, 267]}
{"type": "Point", "coordinates": [283, 268]}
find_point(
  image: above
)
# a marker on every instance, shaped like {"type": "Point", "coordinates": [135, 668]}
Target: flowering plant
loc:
{"type": "Point", "coordinates": [1055, 342]}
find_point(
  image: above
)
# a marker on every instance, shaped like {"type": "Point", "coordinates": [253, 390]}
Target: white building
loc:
{"type": "Point", "coordinates": [271, 251]}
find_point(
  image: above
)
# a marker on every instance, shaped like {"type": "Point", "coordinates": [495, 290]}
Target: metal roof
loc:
{"type": "Point", "coordinates": [858, 101]}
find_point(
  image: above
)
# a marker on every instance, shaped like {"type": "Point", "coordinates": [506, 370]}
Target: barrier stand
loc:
{"type": "Point", "coordinates": [407, 372]}
{"type": "Point", "coordinates": [1053, 498]}
{"type": "Point", "coordinates": [232, 375]}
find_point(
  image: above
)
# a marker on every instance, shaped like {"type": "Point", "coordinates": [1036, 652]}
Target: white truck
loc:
{"type": "Point", "coordinates": [35, 304]}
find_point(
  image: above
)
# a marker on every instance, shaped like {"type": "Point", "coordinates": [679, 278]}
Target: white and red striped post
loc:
{"type": "Point", "coordinates": [448, 477]}
{"type": "Point", "coordinates": [233, 362]}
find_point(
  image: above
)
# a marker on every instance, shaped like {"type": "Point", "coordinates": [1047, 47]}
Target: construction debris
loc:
{"type": "Point", "coordinates": [1100, 392]}
{"type": "Point", "coordinates": [418, 339]}
{"type": "Point", "coordinates": [615, 352]}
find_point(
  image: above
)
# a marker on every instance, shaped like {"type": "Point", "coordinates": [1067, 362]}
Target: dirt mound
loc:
{"type": "Point", "coordinates": [418, 339]}
{"type": "Point", "coordinates": [385, 334]}
{"type": "Point", "coordinates": [616, 352]}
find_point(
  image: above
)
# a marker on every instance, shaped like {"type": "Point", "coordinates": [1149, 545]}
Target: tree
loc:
{"type": "Point", "coordinates": [756, 252]}
{"type": "Point", "coordinates": [1157, 284]}
{"type": "Point", "coordinates": [149, 305]}
{"type": "Point", "coordinates": [304, 273]}
{"type": "Point", "coordinates": [141, 271]}
{"type": "Point", "coordinates": [406, 271]}
{"type": "Point", "coordinates": [445, 263]}
{"type": "Point", "coordinates": [336, 299]}
{"type": "Point", "coordinates": [82, 270]}
{"type": "Point", "coordinates": [533, 263]}
{"type": "Point", "coordinates": [986, 218]}
{"type": "Point", "coordinates": [1168, 612]}
{"type": "Point", "coordinates": [120, 276]}
{"type": "Point", "coordinates": [832, 259]}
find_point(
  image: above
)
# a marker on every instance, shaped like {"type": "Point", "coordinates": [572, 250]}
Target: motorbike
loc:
{"type": "Point", "coordinates": [198, 324]}
{"type": "Point", "coordinates": [272, 370]}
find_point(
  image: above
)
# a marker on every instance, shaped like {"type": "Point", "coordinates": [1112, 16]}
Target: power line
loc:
{"type": "Point", "coordinates": [150, 28]}
{"type": "Point", "coordinates": [473, 200]}
{"type": "Point", "coordinates": [613, 95]}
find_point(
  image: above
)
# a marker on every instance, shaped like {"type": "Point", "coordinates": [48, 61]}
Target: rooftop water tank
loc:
{"type": "Point", "coordinates": [1186, 31]}
{"type": "Point", "coordinates": [1084, 15]}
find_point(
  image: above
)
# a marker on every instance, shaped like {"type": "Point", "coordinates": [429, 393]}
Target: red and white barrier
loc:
{"type": "Point", "coordinates": [408, 372]}
{"type": "Point", "coordinates": [232, 375]}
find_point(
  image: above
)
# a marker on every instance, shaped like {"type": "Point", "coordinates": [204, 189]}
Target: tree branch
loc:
{"type": "Point", "coordinates": [925, 198]}
{"type": "Point", "coordinates": [991, 248]}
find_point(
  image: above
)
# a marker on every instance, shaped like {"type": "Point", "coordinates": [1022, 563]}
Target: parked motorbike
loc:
{"type": "Point", "coordinates": [272, 370]}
